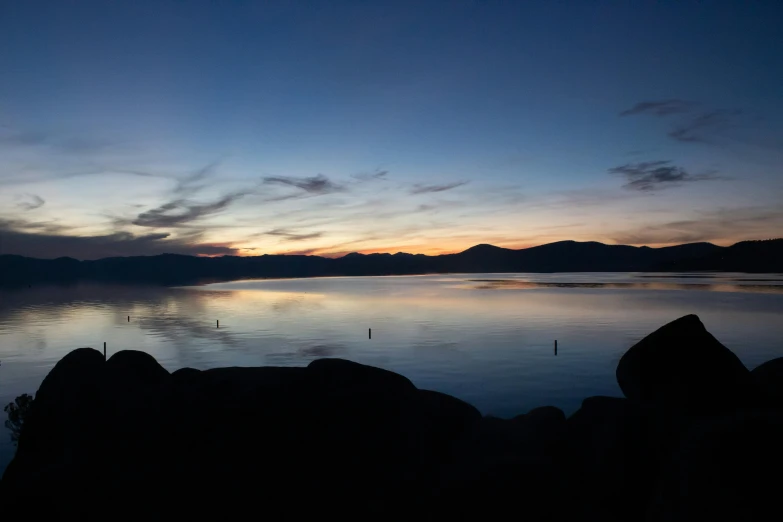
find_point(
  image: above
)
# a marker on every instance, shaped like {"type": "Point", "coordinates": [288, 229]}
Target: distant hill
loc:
{"type": "Point", "coordinates": [564, 256]}
{"type": "Point", "coordinates": [747, 256]}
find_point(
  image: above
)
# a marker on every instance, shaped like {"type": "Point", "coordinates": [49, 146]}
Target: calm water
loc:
{"type": "Point", "coordinates": [487, 339]}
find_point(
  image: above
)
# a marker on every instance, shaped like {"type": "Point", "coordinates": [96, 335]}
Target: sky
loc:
{"type": "Point", "coordinates": [250, 128]}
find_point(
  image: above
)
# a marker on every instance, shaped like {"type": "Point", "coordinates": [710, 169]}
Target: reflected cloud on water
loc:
{"type": "Point", "coordinates": [514, 284]}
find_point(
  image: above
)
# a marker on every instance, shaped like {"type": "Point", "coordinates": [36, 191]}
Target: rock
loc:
{"type": "Point", "coordinates": [134, 396]}
{"type": "Point", "coordinates": [73, 378]}
{"type": "Point", "coordinates": [614, 448]}
{"type": "Point", "coordinates": [682, 366]}
{"type": "Point", "coordinates": [338, 438]}
{"type": "Point", "coordinates": [133, 382]}
{"type": "Point", "coordinates": [237, 430]}
{"type": "Point", "coordinates": [251, 387]}
{"type": "Point", "coordinates": [184, 376]}
{"type": "Point", "coordinates": [726, 468]}
{"type": "Point", "coordinates": [61, 423]}
{"type": "Point", "coordinates": [542, 428]}
{"type": "Point", "coordinates": [449, 416]}
{"type": "Point", "coordinates": [342, 375]}
{"type": "Point", "coordinates": [537, 433]}
{"type": "Point", "coordinates": [370, 425]}
{"type": "Point", "coordinates": [547, 414]}
{"type": "Point", "coordinates": [185, 372]}
{"type": "Point", "coordinates": [137, 366]}
{"type": "Point", "coordinates": [769, 379]}
{"type": "Point", "coordinates": [501, 464]}
{"type": "Point", "coordinates": [495, 487]}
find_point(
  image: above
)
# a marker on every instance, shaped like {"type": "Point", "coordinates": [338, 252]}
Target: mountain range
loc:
{"type": "Point", "coordinates": [563, 256]}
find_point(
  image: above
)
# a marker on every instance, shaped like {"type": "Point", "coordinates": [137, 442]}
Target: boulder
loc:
{"type": "Point", "coordinates": [614, 446]}
{"type": "Point", "coordinates": [131, 391]}
{"type": "Point", "coordinates": [548, 415]}
{"type": "Point", "coordinates": [500, 464]}
{"type": "Point", "coordinates": [537, 433]}
{"type": "Point", "coordinates": [492, 488]}
{"type": "Point", "coordinates": [726, 468]}
{"type": "Point", "coordinates": [136, 365]}
{"type": "Point", "coordinates": [542, 428]}
{"type": "Point", "coordinates": [768, 377]}
{"type": "Point", "coordinates": [346, 439]}
{"type": "Point", "coordinates": [372, 435]}
{"type": "Point", "coordinates": [448, 416]}
{"type": "Point", "coordinates": [340, 375]}
{"type": "Point", "coordinates": [185, 372]}
{"type": "Point", "coordinates": [235, 431]}
{"type": "Point", "coordinates": [63, 421]}
{"type": "Point", "coordinates": [682, 366]}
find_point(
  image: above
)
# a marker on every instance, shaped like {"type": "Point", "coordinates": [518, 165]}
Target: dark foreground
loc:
{"type": "Point", "coordinates": [698, 437]}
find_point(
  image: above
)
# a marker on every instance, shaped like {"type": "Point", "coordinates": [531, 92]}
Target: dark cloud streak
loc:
{"type": "Point", "coordinates": [427, 189]}
{"type": "Point", "coordinates": [692, 126]}
{"type": "Point", "coordinates": [181, 212]}
{"type": "Point", "coordinates": [54, 142]}
{"type": "Point", "coordinates": [292, 236]}
{"type": "Point", "coordinates": [319, 184]}
{"type": "Point", "coordinates": [189, 185]}
{"type": "Point", "coordinates": [30, 202]}
{"type": "Point", "coordinates": [43, 241]}
{"type": "Point", "coordinates": [371, 176]}
{"type": "Point", "coordinates": [699, 128]}
{"type": "Point", "coordinates": [654, 175]}
{"type": "Point", "coordinates": [660, 108]}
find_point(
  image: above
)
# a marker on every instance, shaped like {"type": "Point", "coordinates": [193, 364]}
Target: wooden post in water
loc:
{"type": "Point", "coordinates": [128, 318]}
{"type": "Point", "coordinates": [370, 333]}
{"type": "Point", "coordinates": [104, 350]}
{"type": "Point", "coordinates": [218, 323]}
{"type": "Point", "coordinates": [555, 346]}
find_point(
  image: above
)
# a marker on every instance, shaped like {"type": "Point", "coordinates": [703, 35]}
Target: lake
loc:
{"type": "Point", "coordinates": [485, 338]}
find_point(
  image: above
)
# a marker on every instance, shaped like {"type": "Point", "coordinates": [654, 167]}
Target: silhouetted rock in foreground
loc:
{"type": "Point", "coordinates": [681, 365]}
{"type": "Point", "coordinates": [769, 378]}
{"type": "Point", "coordinates": [693, 440]}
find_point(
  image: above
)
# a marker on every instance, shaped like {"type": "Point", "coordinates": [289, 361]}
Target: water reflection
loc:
{"type": "Point", "coordinates": [509, 284]}
{"type": "Point", "coordinates": [470, 336]}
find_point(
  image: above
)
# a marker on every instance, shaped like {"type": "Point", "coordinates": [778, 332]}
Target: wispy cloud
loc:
{"type": "Point", "coordinates": [426, 189]}
{"type": "Point", "coordinates": [24, 178]}
{"type": "Point", "coordinates": [660, 107]}
{"type": "Point", "coordinates": [182, 212]}
{"type": "Point", "coordinates": [61, 143]}
{"type": "Point", "coordinates": [29, 201]}
{"type": "Point", "coordinates": [655, 175]}
{"type": "Point", "coordinates": [35, 227]}
{"type": "Point", "coordinates": [194, 182]}
{"type": "Point", "coordinates": [287, 235]}
{"type": "Point", "coordinates": [692, 123]}
{"type": "Point", "coordinates": [701, 127]}
{"type": "Point", "coordinates": [49, 241]}
{"type": "Point", "coordinates": [304, 252]}
{"type": "Point", "coordinates": [371, 176]}
{"type": "Point", "coordinates": [319, 184]}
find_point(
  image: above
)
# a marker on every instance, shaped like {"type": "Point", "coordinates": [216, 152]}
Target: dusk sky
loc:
{"type": "Point", "coordinates": [328, 127]}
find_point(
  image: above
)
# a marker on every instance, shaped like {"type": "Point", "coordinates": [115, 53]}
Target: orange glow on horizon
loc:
{"type": "Point", "coordinates": [427, 249]}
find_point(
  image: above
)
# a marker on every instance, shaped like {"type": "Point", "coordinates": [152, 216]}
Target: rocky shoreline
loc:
{"type": "Point", "coordinates": [697, 437]}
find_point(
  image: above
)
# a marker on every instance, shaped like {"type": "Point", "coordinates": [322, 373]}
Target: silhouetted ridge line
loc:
{"type": "Point", "coordinates": [563, 256]}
